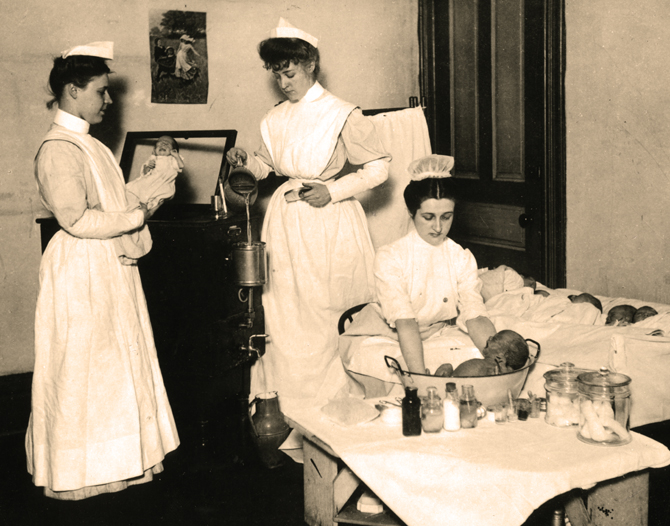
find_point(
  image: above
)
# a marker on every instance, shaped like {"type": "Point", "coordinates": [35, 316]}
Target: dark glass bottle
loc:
{"type": "Point", "coordinates": [411, 413]}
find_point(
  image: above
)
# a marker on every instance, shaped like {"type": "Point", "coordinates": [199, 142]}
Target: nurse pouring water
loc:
{"type": "Point", "coordinates": [320, 255]}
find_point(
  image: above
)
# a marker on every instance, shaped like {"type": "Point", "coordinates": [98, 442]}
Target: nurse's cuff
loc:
{"type": "Point", "coordinates": [372, 174]}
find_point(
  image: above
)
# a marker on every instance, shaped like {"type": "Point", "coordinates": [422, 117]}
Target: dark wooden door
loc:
{"type": "Point", "coordinates": [492, 86]}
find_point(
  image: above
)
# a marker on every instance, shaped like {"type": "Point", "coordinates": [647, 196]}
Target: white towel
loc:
{"type": "Point", "coordinates": [404, 134]}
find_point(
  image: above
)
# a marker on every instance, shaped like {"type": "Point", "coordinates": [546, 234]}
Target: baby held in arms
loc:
{"type": "Point", "coordinates": [156, 182]}
{"type": "Point", "coordinates": [506, 351]}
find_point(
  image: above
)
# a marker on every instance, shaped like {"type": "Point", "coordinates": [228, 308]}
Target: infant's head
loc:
{"type": "Point", "coordinates": [164, 145]}
{"type": "Point", "coordinates": [643, 313]}
{"type": "Point", "coordinates": [585, 297]}
{"type": "Point", "coordinates": [621, 315]}
{"type": "Point", "coordinates": [507, 347]}
{"type": "Point", "coordinates": [529, 281]}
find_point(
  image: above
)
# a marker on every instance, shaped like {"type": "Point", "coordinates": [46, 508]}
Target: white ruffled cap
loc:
{"type": "Point", "coordinates": [285, 29]}
{"type": "Point", "coordinates": [94, 49]}
{"type": "Point", "coordinates": [431, 166]}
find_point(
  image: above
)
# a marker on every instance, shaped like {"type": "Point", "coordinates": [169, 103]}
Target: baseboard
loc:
{"type": "Point", "coordinates": [15, 403]}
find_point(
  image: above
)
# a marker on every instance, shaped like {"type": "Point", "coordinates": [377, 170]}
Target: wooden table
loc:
{"type": "Point", "coordinates": [330, 484]}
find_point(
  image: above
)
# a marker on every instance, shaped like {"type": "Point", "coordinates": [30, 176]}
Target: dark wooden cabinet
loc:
{"type": "Point", "coordinates": [202, 323]}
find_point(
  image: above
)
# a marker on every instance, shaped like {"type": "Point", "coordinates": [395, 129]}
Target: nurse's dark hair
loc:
{"type": "Point", "coordinates": [417, 192]}
{"type": "Point", "coordinates": [278, 53]}
{"type": "Point", "coordinates": [78, 70]}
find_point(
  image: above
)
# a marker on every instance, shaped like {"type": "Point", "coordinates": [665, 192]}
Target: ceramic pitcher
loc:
{"type": "Point", "coordinates": [268, 428]}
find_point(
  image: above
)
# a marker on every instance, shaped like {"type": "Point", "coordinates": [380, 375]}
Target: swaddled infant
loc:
{"type": "Point", "coordinates": [505, 352]}
{"type": "Point", "coordinates": [643, 313]}
{"type": "Point", "coordinates": [622, 315]}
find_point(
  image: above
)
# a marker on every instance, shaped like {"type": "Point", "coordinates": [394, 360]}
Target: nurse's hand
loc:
{"type": "Point", "coordinates": [237, 157]}
{"type": "Point", "coordinates": [148, 212]}
{"type": "Point", "coordinates": [316, 194]}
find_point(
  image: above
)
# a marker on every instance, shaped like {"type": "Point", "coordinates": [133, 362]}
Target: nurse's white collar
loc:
{"type": "Point", "coordinates": [314, 92]}
{"type": "Point", "coordinates": [72, 123]}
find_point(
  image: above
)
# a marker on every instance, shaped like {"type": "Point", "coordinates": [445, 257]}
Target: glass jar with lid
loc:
{"type": "Point", "coordinates": [562, 390]}
{"type": "Point", "coordinates": [604, 408]}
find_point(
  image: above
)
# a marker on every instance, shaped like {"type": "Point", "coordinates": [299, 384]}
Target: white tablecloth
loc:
{"type": "Point", "coordinates": [491, 475]}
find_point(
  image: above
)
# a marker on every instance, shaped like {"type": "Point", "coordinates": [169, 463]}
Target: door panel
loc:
{"type": "Point", "coordinates": [495, 225]}
{"type": "Point", "coordinates": [489, 80]}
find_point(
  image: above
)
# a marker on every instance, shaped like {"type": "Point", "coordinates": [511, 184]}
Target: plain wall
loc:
{"type": "Point", "coordinates": [618, 139]}
{"type": "Point", "coordinates": [369, 56]}
{"type": "Point", "coordinates": [617, 120]}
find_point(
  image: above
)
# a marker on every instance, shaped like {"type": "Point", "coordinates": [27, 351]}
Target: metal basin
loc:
{"type": "Point", "coordinates": [489, 390]}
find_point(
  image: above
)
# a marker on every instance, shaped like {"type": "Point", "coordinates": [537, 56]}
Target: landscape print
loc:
{"type": "Point", "coordinates": [179, 72]}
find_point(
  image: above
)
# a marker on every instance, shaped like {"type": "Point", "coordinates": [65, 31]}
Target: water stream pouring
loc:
{"type": "Point", "coordinates": [248, 258]}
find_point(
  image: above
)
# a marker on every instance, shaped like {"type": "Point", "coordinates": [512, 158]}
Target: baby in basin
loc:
{"type": "Point", "coordinates": [505, 351]}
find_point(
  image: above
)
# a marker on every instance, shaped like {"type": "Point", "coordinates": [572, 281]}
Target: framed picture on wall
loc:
{"type": "Point", "coordinates": [179, 68]}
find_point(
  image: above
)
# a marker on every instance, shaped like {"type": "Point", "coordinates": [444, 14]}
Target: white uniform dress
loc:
{"type": "Point", "coordinates": [431, 284]}
{"type": "Point", "coordinates": [434, 285]}
{"type": "Point", "coordinates": [320, 259]}
{"type": "Point", "coordinates": [100, 416]}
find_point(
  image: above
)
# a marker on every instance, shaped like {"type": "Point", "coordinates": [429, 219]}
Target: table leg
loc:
{"type": "Point", "coordinates": [327, 487]}
{"type": "Point", "coordinates": [622, 502]}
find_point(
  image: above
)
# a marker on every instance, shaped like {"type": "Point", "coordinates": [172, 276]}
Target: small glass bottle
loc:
{"type": "Point", "coordinates": [411, 413]}
{"type": "Point", "coordinates": [452, 408]}
{"type": "Point", "coordinates": [468, 407]}
{"type": "Point", "coordinates": [558, 517]}
{"type": "Point", "coordinates": [432, 412]}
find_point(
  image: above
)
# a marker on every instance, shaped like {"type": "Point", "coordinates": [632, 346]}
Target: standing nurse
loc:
{"type": "Point", "coordinates": [100, 417]}
{"type": "Point", "coordinates": [319, 248]}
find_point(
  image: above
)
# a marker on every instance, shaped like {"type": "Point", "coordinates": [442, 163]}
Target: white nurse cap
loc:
{"type": "Point", "coordinates": [94, 49]}
{"type": "Point", "coordinates": [285, 30]}
{"type": "Point", "coordinates": [431, 166]}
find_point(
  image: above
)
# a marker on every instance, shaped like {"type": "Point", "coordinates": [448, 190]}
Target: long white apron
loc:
{"type": "Point", "coordinates": [100, 413]}
{"type": "Point", "coordinates": [319, 259]}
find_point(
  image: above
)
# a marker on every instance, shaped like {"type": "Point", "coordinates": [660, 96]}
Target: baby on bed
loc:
{"type": "Point", "coordinates": [622, 315]}
{"type": "Point", "coordinates": [502, 279]}
{"type": "Point", "coordinates": [505, 279]}
{"type": "Point", "coordinates": [505, 352]}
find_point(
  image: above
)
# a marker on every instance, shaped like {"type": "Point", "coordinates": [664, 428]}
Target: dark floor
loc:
{"type": "Point", "coordinates": [200, 488]}
{"type": "Point", "coordinates": [232, 492]}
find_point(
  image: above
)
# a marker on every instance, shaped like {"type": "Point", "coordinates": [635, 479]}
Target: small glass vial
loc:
{"type": "Point", "coordinates": [432, 412]}
{"type": "Point", "coordinates": [468, 407]}
{"type": "Point", "coordinates": [411, 413]}
{"type": "Point", "coordinates": [452, 408]}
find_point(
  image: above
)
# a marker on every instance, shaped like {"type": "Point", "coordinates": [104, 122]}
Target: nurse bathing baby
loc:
{"type": "Point", "coordinates": [426, 278]}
